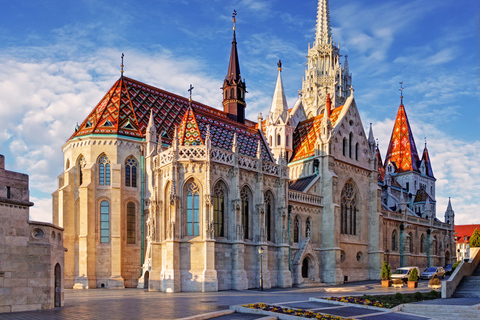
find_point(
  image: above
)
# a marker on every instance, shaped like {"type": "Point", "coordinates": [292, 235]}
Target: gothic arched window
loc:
{"type": "Point", "coordinates": [232, 93]}
{"type": "Point", "coordinates": [268, 200]}
{"type": "Point", "coordinates": [308, 228]}
{"type": "Point", "coordinates": [394, 240]}
{"type": "Point", "coordinates": [356, 151]}
{"type": "Point", "coordinates": [104, 222]}
{"type": "Point", "coordinates": [296, 225]}
{"type": "Point", "coordinates": [130, 223]}
{"type": "Point", "coordinates": [344, 147]}
{"type": "Point", "coordinates": [435, 246]}
{"type": "Point", "coordinates": [348, 210]}
{"type": "Point", "coordinates": [423, 243]}
{"type": "Point", "coordinates": [350, 145]}
{"type": "Point", "coordinates": [245, 196]}
{"type": "Point", "coordinates": [279, 140]}
{"type": "Point", "coordinates": [219, 209]}
{"type": "Point", "coordinates": [410, 241]}
{"type": "Point", "coordinates": [81, 165]}
{"type": "Point", "coordinates": [193, 210]}
{"type": "Point", "coordinates": [104, 171]}
{"type": "Point", "coordinates": [131, 172]}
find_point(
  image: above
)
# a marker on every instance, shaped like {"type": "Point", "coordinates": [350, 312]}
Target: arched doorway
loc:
{"type": "Point", "coordinates": [58, 286]}
{"type": "Point", "coordinates": [305, 267]}
{"type": "Point", "coordinates": [145, 280]}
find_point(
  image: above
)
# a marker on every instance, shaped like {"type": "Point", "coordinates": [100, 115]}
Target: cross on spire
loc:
{"type": "Point", "coordinates": [234, 16]}
{"type": "Point", "coordinates": [401, 92]}
{"type": "Point", "coordinates": [121, 66]}
{"type": "Point", "coordinates": [190, 90]}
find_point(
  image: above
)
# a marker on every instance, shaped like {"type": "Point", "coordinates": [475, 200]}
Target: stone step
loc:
{"type": "Point", "coordinates": [442, 312]}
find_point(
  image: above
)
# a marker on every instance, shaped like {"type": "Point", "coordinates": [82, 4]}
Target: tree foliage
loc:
{"type": "Point", "coordinates": [385, 272]}
{"type": "Point", "coordinates": [413, 275]}
{"type": "Point", "coordinates": [475, 239]}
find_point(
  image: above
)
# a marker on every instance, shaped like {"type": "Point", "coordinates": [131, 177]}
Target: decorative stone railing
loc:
{"type": "Point", "coordinates": [304, 198]}
{"type": "Point", "coordinates": [199, 153]}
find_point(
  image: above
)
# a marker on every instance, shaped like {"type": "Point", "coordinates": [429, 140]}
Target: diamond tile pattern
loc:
{"type": "Point", "coordinates": [305, 135]}
{"type": "Point", "coordinates": [402, 150]}
{"type": "Point", "coordinates": [125, 110]}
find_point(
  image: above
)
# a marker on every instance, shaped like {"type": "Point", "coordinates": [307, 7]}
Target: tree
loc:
{"type": "Point", "coordinates": [475, 239]}
{"type": "Point", "coordinates": [413, 275]}
{"type": "Point", "coordinates": [385, 272]}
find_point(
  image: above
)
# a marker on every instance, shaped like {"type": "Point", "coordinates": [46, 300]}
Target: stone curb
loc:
{"type": "Point", "coordinates": [339, 303]}
{"type": "Point", "coordinates": [209, 315]}
{"type": "Point", "coordinates": [271, 315]}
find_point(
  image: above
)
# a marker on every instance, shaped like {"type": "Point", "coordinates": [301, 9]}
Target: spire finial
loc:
{"type": "Point", "coordinates": [425, 142]}
{"type": "Point", "coordinates": [279, 64]}
{"type": "Point", "coordinates": [190, 90]}
{"type": "Point", "coordinates": [234, 16]}
{"type": "Point", "coordinates": [401, 92]}
{"type": "Point", "coordinates": [121, 66]}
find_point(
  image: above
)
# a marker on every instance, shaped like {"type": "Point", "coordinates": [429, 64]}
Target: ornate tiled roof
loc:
{"type": "Point", "coordinates": [125, 110]}
{"type": "Point", "coordinates": [306, 134]}
{"type": "Point", "coordinates": [127, 107]}
{"type": "Point", "coordinates": [422, 196]}
{"type": "Point", "coordinates": [402, 150]}
{"type": "Point", "coordinates": [428, 164]}
{"type": "Point", "coordinates": [381, 169]}
{"type": "Point", "coordinates": [300, 184]}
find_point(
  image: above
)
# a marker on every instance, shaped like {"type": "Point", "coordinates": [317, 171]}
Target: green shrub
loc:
{"type": "Point", "coordinates": [418, 296]}
{"type": "Point", "coordinates": [455, 265]}
{"type": "Point", "coordinates": [385, 272]}
{"type": "Point", "coordinates": [434, 282]}
{"type": "Point", "coordinates": [413, 275]}
{"type": "Point", "coordinates": [398, 296]}
{"type": "Point", "coordinates": [475, 239]}
{"type": "Point", "coordinates": [434, 294]}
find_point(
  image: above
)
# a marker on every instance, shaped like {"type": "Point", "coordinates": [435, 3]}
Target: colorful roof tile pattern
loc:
{"type": "Point", "coordinates": [125, 110]}
{"type": "Point", "coordinates": [422, 196]}
{"type": "Point", "coordinates": [428, 164]}
{"type": "Point", "coordinates": [188, 132]}
{"type": "Point", "coordinates": [381, 168]}
{"type": "Point", "coordinates": [306, 133]}
{"type": "Point", "coordinates": [402, 150]}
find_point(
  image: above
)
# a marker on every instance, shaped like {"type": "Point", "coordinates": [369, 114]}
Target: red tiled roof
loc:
{"type": "Point", "coordinates": [305, 135]}
{"type": "Point", "coordinates": [466, 230]}
{"type": "Point", "coordinates": [402, 150]}
{"type": "Point", "coordinates": [130, 101]}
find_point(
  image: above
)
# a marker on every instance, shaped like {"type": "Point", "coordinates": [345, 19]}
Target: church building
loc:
{"type": "Point", "coordinates": [163, 192]}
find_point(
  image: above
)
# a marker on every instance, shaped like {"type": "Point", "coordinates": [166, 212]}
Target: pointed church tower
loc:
{"type": "Point", "coordinates": [450, 214]}
{"type": "Point", "coordinates": [279, 132]}
{"type": "Point", "coordinates": [324, 74]}
{"type": "Point", "coordinates": [234, 88]}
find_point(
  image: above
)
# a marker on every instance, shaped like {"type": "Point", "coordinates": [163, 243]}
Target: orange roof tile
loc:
{"type": "Point", "coordinates": [402, 150]}
{"type": "Point", "coordinates": [306, 133]}
{"type": "Point", "coordinates": [466, 230]}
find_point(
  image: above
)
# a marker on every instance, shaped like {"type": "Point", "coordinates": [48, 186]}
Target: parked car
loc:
{"type": "Point", "coordinates": [448, 269]}
{"type": "Point", "coordinates": [433, 272]}
{"type": "Point", "coordinates": [403, 273]}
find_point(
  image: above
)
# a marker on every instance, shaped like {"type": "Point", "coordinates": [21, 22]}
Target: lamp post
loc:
{"type": "Point", "coordinates": [260, 252]}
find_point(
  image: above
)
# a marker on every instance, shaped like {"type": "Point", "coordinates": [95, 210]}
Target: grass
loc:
{"type": "Point", "coordinates": [389, 301]}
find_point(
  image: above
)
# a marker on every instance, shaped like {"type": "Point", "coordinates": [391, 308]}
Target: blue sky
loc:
{"type": "Point", "coordinates": [58, 58]}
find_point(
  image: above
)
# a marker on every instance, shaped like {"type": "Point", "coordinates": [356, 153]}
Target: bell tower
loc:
{"type": "Point", "coordinates": [234, 88]}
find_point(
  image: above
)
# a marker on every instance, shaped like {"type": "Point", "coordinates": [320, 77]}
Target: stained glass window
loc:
{"type": "Point", "coordinates": [104, 171]}
{"type": "Point", "coordinates": [130, 223]}
{"type": "Point", "coordinates": [104, 222]}
{"type": "Point", "coordinates": [219, 210]}
{"type": "Point", "coordinates": [131, 173]}
{"type": "Point", "coordinates": [193, 213]}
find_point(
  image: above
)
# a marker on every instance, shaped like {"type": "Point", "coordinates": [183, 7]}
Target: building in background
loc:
{"type": "Point", "coordinates": [163, 192]}
{"type": "Point", "coordinates": [31, 253]}
{"type": "Point", "coordinates": [462, 239]}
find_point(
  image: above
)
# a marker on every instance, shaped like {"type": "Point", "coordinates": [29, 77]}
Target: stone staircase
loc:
{"type": "Point", "coordinates": [469, 287]}
{"type": "Point", "coordinates": [436, 311]}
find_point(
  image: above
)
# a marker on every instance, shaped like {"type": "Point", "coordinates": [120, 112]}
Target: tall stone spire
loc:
{"type": "Point", "coordinates": [324, 29]}
{"type": "Point", "coordinates": [234, 88]}
{"type": "Point", "coordinates": [450, 214]}
{"type": "Point", "coordinates": [279, 108]}
{"type": "Point", "coordinates": [324, 74]}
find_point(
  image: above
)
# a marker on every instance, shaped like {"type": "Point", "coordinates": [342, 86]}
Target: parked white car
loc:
{"type": "Point", "coordinates": [403, 273]}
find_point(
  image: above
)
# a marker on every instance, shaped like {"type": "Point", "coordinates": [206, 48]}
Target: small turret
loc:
{"type": "Point", "coordinates": [450, 214]}
{"type": "Point", "coordinates": [151, 137]}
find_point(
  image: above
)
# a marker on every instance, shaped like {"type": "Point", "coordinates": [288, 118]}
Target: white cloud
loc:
{"type": "Point", "coordinates": [42, 210]}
